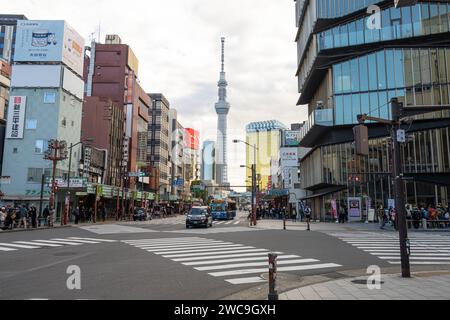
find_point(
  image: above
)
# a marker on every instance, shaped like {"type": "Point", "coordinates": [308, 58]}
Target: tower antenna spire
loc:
{"type": "Point", "coordinates": [223, 54]}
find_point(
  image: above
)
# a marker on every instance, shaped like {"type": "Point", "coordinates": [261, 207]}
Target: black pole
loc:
{"type": "Point", "coordinates": [41, 200]}
{"type": "Point", "coordinates": [67, 213]}
{"type": "Point", "coordinates": [400, 190]}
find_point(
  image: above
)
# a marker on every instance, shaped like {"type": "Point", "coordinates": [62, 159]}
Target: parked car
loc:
{"type": "Point", "coordinates": [199, 217]}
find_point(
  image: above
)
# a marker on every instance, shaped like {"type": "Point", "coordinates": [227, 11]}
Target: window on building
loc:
{"type": "Point", "coordinates": [40, 146]}
{"type": "Point", "coordinates": [49, 97]}
{"type": "Point", "coordinates": [15, 150]}
{"type": "Point", "coordinates": [34, 175]}
{"type": "Point", "coordinates": [31, 124]}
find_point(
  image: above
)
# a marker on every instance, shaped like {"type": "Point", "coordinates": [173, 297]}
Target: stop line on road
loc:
{"type": "Point", "coordinates": [235, 263]}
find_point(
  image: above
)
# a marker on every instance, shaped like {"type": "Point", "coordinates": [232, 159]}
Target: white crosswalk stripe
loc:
{"type": "Point", "coordinates": [52, 243]}
{"type": "Point", "coordinates": [215, 230]}
{"type": "Point", "coordinates": [426, 249]}
{"type": "Point", "coordinates": [225, 259]}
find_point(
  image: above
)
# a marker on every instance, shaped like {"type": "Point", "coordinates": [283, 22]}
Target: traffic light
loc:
{"type": "Point", "coordinates": [361, 133]}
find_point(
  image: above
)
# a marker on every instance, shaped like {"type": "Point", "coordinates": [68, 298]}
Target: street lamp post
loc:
{"type": "Point", "coordinates": [255, 149]}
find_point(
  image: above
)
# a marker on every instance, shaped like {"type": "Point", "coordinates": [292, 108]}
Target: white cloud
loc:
{"type": "Point", "coordinates": [178, 45]}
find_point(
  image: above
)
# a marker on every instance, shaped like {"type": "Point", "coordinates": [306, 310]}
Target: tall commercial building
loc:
{"type": "Point", "coordinates": [45, 103]}
{"type": "Point", "coordinates": [112, 82]}
{"type": "Point", "coordinates": [5, 83]}
{"type": "Point", "coordinates": [350, 63]}
{"type": "Point", "coordinates": [159, 141]}
{"type": "Point", "coordinates": [222, 109]}
{"type": "Point", "coordinates": [192, 148]}
{"type": "Point", "coordinates": [267, 136]}
{"type": "Point", "coordinates": [177, 144]}
{"type": "Point", "coordinates": [8, 31]}
{"type": "Point", "coordinates": [208, 172]}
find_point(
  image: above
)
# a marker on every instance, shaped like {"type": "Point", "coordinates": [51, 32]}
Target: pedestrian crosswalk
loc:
{"type": "Point", "coordinates": [230, 229]}
{"type": "Point", "coordinates": [237, 264]}
{"type": "Point", "coordinates": [52, 243]}
{"type": "Point", "coordinates": [426, 249]}
{"type": "Point", "coordinates": [181, 221]}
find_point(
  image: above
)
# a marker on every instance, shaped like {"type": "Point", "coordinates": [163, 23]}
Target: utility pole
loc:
{"type": "Point", "coordinates": [57, 151]}
{"type": "Point", "coordinates": [399, 187]}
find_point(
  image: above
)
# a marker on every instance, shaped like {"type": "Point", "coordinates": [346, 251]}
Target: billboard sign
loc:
{"type": "Point", "coordinates": [292, 138]}
{"type": "Point", "coordinates": [16, 117]}
{"type": "Point", "coordinates": [289, 157]}
{"type": "Point", "coordinates": [49, 41]}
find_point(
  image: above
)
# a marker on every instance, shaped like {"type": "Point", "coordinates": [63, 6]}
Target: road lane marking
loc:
{"type": "Point", "coordinates": [246, 280]}
{"type": "Point", "coordinates": [195, 248]}
{"type": "Point", "coordinates": [62, 242]}
{"type": "Point", "coordinates": [180, 245]}
{"type": "Point", "coordinates": [225, 256]}
{"type": "Point", "coordinates": [217, 252]}
{"type": "Point", "coordinates": [230, 247]}
{"type": "Point", "coordinates": [228, 223]}
{"type": "Point", "coordinates": [264, 258]}
{"type": "Point", "coordinates": [282, 269]}
{"type": "Point", "coordinates": [254, 264]}
{"type": "Point", "coordinates": [7, 249]}
{"type": "Point", "coordinates": [92, 239]}
{"type": "Point", "coordinates": [39, 244]}
{"type": "Point", "coordinates": [20, 246]}
{"type": "Point", "coordinates": [78, 241]}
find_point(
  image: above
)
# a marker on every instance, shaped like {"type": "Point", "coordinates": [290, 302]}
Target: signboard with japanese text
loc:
{"type": "Point", "coordinates": [289, 157]}
{"type": "Point", "coordinates": [49, 41]}
{"type": "Point", "coordinates": [292, 138]}
{"type": "Point", "coordinates": [16, 117]}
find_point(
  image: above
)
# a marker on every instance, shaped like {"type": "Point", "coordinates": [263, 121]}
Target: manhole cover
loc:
{"type": "Point", "coordinates": [65, 254]}
{"type": "Point", "coordinates": [363, 282]}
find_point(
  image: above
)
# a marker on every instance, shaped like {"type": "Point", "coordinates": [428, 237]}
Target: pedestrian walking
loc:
{"type": "Point", "coordinates": [46, 215]}
{"type": "Point", "coordinates": [103, 212]}
{"type": "Point", "coordinates": [308, 215]}
{"type": "Point", "coordinates": [34, 217]}
{"type": "Point", "coordinates": [76, 215]}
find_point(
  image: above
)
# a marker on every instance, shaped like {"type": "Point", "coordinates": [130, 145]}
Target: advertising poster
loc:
{"type": "Point", "coordinates": [334, 209]}
{"type": "Point", "coordinates": [49, 41]}
{"type": "Point", "coordinates": [354, 209]}
{"type": "Point", "coordinates": [16, 117]}
{"type": "Point", "coordinates": [292, 138]}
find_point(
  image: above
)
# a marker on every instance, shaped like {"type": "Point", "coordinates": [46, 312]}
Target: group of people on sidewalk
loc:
{"type": "Point", "coordinates": [427, 217]}
{"type": "Point", "coordinates": [22, 216]}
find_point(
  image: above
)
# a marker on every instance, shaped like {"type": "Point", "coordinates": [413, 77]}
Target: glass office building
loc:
{"type": "Point", "coordinates": [351, 61]}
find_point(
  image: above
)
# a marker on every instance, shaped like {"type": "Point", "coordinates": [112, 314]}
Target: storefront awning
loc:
{"type": "Point", "coordinates": [325, 192]}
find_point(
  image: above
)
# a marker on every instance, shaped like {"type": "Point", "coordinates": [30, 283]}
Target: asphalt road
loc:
{"type": "Point", "coordinates": [33, 265]}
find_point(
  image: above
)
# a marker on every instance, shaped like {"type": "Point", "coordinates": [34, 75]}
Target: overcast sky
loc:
{"type": "Point", "coordinates": [177, 43]}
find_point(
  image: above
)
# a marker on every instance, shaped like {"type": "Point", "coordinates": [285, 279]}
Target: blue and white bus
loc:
{"type": "Point", "coordinates": [223, 209]}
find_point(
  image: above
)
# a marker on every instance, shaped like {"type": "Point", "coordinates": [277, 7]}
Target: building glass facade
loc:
{"type": "Point", "coordinates": [407, 58]}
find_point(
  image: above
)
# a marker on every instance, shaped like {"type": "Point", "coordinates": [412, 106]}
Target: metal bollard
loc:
{"type": "Point", "coordinates": [273, 294]}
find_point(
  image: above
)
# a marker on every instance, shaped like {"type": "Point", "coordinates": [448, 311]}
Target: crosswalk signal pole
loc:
{"type": "Point", "coordinates": [399, 186]}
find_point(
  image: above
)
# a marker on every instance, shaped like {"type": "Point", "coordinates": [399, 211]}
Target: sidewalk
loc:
{"type": "Point", "coordinates": [422, 286]}
{"type": "Point", "coordinates": [329, 226]}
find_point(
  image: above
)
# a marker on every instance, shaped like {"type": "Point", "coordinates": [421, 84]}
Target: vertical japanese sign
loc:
{"type": "Point", "coordinates": [16, 117]}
